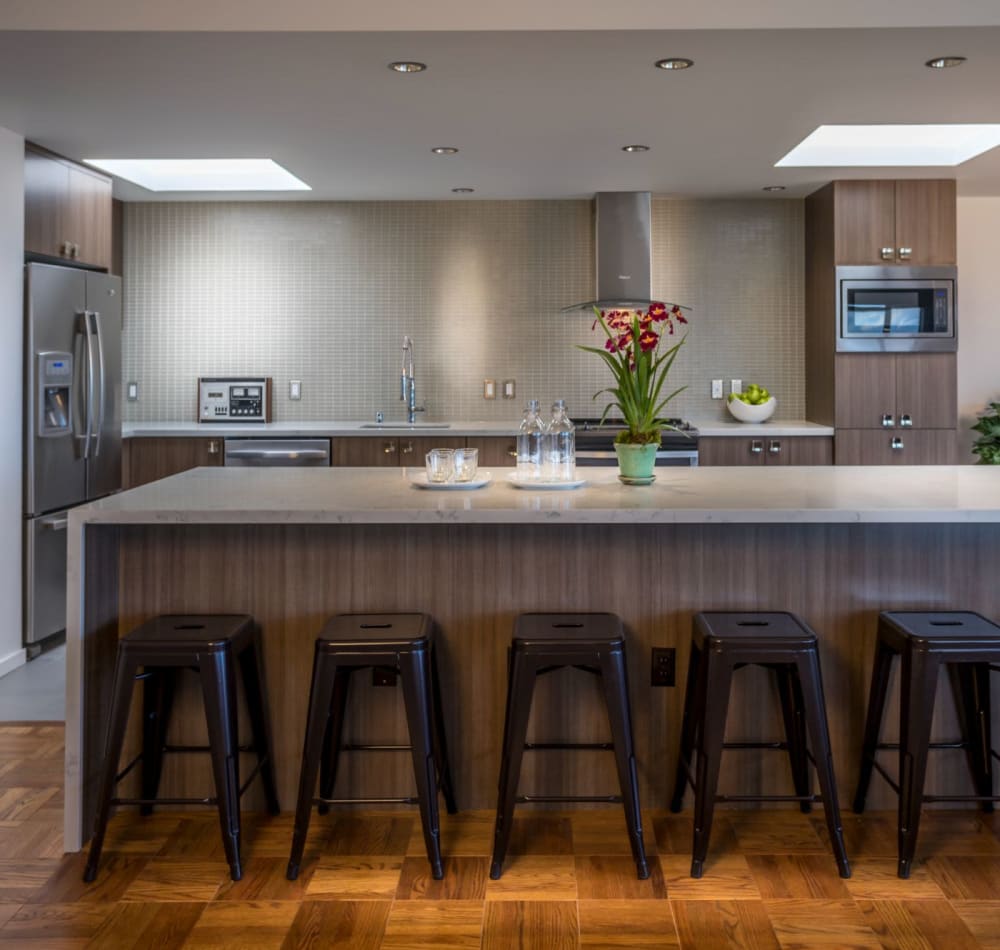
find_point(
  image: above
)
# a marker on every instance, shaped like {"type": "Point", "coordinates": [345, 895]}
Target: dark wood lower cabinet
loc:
{"type": "Point", "coordinates": [896, 447]}
{"type": "Point", "coordinates": [495, 451]}
{"type": "Point", "coordinates": [772, 450]}
{"type": "Point", "coordinates": [147, 459]}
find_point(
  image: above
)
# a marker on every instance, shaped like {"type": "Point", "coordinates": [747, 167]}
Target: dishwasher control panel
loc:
{"type": "Point", "coordinates": [234, 399]}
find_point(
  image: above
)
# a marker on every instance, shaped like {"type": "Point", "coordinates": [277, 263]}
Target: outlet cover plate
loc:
{"type": "Point", "coordinates": [664, 667]}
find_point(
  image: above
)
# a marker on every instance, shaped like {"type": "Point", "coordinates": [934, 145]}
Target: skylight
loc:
{"type": "Point", "coordinates": [873, 145]}
{"type": "Point", "coordinates": [202, 174]}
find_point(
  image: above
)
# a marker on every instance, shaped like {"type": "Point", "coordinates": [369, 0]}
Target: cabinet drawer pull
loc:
{"type": "Point", "coordinates": [388, 447]}
{"type": "Point", "coordinates": [774, 447]}
{"type": "Point", "coordinates": [888, 253]}
{"type": "Point", "coordinates": [213, 447]}
{"type": "Point", "coordinates": [896, 444]}
{"type": "Point", "coordinates": [512, 453]}
{"type": "Point", "coordinates": [756, 446]}
{"type": "Point", "coordinates": [887, 421]}
{"type": "Point", "coordinates": [905, 253]}
{"type": "Point", "coordinates": [905, 420]}
{"type": "Point", "coordinates": [407, 448]}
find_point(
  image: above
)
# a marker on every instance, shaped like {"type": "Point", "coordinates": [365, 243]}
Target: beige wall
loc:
{"type": "Point", "coordinates": [324, 291]}
{"type": "Point", "coordinates": [979, 312]}
{"type": "Point", "coordinates": [11, 320]}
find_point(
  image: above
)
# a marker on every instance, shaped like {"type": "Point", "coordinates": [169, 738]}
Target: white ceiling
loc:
{"type": "Point", "coordinates": [536, 114]}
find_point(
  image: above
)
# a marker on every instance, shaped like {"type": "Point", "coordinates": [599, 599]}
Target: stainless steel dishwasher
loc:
{"type": "Point", "coordinates": [277, 452]}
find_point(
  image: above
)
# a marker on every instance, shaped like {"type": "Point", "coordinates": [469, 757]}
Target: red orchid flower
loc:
{"type": "Point", "coordinates": [648, 341]}
{"type": "Point", "coordinates": [657, 311]}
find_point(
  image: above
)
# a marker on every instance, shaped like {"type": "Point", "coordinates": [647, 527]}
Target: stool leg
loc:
{"type": "Point", "coordinates": [873, 723]}
{"type": "Point", "coordinates": [121, 699]}
{"type": "Point", "coordinates": [688, 730]}
{"type": "Point", "coordinates": [333, 737]}
{"type": "Point", "coordinates": [793, 712]}
{"type": "Point", "coordinates": [819, 732]}
{"type": "Point", "coordinates": [716, 678]}
{"type": "Point", "coordinates": [441, 741]}
{"type": "Point", "coordinates": [971, 688]}
{"type": "Point", "coordinates": [320, 701]}
{"type": "Point", "coordinates": [252, 669]}
{"type": "Point", "coordinates": [415, 675]}
{"type": "Point", "coordinates": [919, 685]}
{"type": "Point", "coordinates": [615, 680]}
{"type": "Point", "coordinates": [520, 688]}
{"type": "Point", "coordinates": [157, 700]}
{"type": "Point", "coordinates": [218, 685]}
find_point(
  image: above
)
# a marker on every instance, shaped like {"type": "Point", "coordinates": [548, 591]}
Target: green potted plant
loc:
{"type": "Point", "coordinates": [640, 368]}
{"type": "Point", "coordinates": [987, 446]}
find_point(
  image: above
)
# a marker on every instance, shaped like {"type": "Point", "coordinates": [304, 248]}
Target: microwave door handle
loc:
{"type": "Point", "coordinates": [101, 383]}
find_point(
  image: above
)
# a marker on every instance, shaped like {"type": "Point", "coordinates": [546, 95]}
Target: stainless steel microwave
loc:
{"type": "Point", "coordinates": [896, 309]}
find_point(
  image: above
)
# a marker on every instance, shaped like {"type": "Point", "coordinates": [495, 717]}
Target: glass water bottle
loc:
{"type": "Point", "coordinates": [560, 445]}
{"type": "Point", "coordinates": [529, 444]}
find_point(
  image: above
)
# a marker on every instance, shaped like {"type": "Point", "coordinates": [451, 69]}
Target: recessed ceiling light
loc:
{"type": "Point", "coordinates": [202, 174]}
{"type": "Point", "coordinates": [407, 67]}
{"type": "Point", "coordinates": [444, 150]}
{"type": "Point", "coordinates": [773, 188]}
{"type": "Point", "coordinates": [945, 62]}
{"type": "Point", "coordinates": [635, 148]}
{"type": "Point", "coordinates": [463, 191]}
{"type": "Point", "coordinates": [884, 145]}
{"type": "Point", "coordinates": [674, 62]}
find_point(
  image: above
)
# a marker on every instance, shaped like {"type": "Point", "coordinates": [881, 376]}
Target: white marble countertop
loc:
{"type": "Point", "coordinates": [130, 430]}
{"type": "Point", "coordinates": [822, 495]}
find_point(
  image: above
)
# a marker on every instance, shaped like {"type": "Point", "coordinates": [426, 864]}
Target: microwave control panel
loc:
{"type": "Point", "coordinates": [231, 399]}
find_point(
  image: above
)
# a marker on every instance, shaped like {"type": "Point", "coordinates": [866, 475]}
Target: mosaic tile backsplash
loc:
{"type": "Point", "coordinates": [323, 292]}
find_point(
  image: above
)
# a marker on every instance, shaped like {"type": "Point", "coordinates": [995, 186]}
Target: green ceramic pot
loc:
{"type": "Point", "coordinates": [636, 461]}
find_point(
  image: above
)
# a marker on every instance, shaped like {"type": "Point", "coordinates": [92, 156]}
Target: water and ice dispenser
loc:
{"type": "Point", "coordinates": [55, 384]}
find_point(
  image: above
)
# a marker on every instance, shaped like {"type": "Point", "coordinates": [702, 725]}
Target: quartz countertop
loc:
{"type": "Point", "coordinates": [324, 429]}
{"type": "Point", "coordinates": [822, 495]}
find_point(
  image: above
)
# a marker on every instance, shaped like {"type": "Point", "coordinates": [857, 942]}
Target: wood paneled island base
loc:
{"type": "Point", "coordinates": [474, 579]}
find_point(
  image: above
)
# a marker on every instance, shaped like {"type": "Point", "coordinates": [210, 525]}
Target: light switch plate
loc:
{"type": "Point", "coordinates": [295, 389]}
{"type": "Point", "coordinates": [716, 388]}
{"type": "Point", "coordinates": [132, 392]}
{"type": "Point", "coordinates": [489, 389]}
{"type": "Point", "coordinates": [509, 388]}
{"type": "Point", "coordinates": [736, 385]}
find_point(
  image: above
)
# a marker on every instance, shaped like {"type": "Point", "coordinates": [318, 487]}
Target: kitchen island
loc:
{"type": "Point", "coordinates": [293, 546]}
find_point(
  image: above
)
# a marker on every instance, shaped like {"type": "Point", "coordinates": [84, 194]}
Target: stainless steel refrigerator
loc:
{"type": "Point", "coordinates": [72, 425]}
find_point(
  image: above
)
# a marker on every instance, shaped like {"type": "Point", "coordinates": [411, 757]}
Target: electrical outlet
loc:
{"type": "Point", "coordinates": [716, 388]}
{"type": "Point", "coordinates": [664, 668]}
{"type": "Point", "coordinates": [489, 389]}
{"type": "Point", "coordinates": [132, 392]}
{"type": "Point", "coordinates": [383, 676]}
{"type": "Point", "coordinates": [509, 388]}
{"type": "Point", "coordinates": [295, 389]}
{"type": "Point", "coordinates": [736, 385]}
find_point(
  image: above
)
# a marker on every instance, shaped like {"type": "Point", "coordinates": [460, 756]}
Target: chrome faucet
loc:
{"type": "Point", "coordinates": [407, 388]}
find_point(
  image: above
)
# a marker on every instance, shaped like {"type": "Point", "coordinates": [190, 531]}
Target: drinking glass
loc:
{"type": "Point", "coordinates": [466, 464]}
{"type": "Point", "coordinates": [440, 465]}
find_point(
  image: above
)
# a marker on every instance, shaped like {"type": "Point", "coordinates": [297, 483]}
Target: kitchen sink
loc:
{"type": "Point", "coordinates": [405, 425]}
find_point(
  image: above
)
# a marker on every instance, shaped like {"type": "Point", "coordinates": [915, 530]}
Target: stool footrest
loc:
{"type": "Point", "coordinates": [528, 799]}
{"type": "Point", "coordinates": [955, 744]}
{"type": "Point", "coordinates": [411, 800]}
{"type": "Point", "coordinates": [534, 746]}
{"type": "Point", "coordinates": [776, 745]}
{"type": "Point", "coordinates": [359, 747]}
{"type": "Point", "coordinates": [165, 801]}
{"type": "Point", "coordinates": [769, 798]}
{"type": "Point", "coordinates": [961, 798]}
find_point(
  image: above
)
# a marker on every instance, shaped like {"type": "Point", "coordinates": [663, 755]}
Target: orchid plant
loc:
{"type": "Point", "coordinates": [640, 368]}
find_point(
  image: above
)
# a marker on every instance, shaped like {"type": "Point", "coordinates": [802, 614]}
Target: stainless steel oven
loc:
{"type": "Point", "coordinates": [896, 309]}
{"type": "Point", "coordinates": [595, 444]}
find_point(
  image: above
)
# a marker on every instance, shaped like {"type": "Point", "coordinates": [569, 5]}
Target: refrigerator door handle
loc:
{"type": "Point", "coordinates": [58, 523]}
{"type": "Point", "coordinates": [99, 428]}
{"type": "Point", "coordinates": [89, 401]}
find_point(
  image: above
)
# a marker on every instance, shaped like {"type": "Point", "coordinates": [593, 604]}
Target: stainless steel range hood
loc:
{"type": "Point", "coordinates": [624, 252]}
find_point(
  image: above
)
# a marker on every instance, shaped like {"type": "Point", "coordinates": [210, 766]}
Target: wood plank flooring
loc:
{"type": "Point", "coordinates": [569, 882]}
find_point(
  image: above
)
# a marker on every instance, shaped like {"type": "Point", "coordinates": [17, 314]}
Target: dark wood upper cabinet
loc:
{"type": "Point", "coordinates": [67, 210]}
{"type": "Point", "coordinates": [894, 222]}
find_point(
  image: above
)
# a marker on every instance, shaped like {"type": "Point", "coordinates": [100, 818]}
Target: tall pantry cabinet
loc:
{"type": "Point", "coordinates": [887, 408]}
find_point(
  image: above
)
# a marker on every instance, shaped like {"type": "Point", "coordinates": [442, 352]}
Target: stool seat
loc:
{"type": "Point", "coordinates": [211, 645]}
{"type": "Point", "coordinates": [967, 645]}
{"type": "Point", "coordinates": [721, 643]}
{"type": "Point", "coordinates": [402, 642]}
{"type": "Point", "coordinates": [542, 642]}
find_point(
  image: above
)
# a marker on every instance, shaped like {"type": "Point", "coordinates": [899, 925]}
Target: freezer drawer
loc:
{"type": "Point", "coordinates": [45, 576]}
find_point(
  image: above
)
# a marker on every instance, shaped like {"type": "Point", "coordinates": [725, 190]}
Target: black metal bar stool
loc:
{"type": "Point", "coordinates": [969, 645]}
{"type": "Point", "coordinates": [209, 645]}
{"type": "Point", "coordinates": [721, 643]}
{"type": "Point", "coordinates": [399, 642]}
{"type": "Point", "coordinates": [544, 642]}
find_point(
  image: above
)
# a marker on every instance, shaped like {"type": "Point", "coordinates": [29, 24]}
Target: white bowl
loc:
{"type": "Point", "coordinates": [747, 413]}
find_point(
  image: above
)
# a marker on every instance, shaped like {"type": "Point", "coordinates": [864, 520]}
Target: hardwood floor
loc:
{"type": "Point", "coordinates": [569, 881]}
